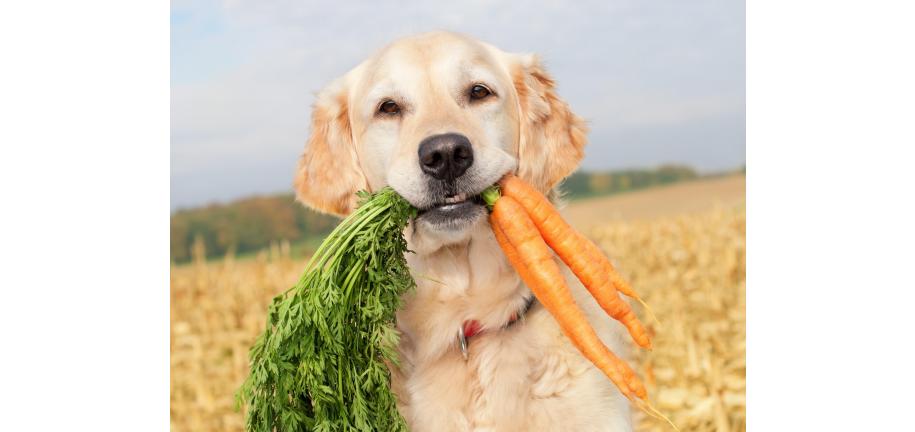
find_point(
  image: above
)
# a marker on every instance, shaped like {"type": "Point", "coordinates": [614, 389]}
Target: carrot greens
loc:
{"type": "Point", "coordinates": [320, 362]}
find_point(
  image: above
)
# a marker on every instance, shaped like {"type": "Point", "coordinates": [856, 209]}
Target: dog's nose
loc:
{"type": "Point", "coordinates": [446, 156]}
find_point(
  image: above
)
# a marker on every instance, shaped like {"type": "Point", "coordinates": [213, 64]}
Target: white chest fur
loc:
{"type": "Point", "coordinates": [524, 378]}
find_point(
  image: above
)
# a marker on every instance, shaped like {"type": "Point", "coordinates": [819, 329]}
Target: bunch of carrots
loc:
{"type": "Point", "coordinates": [526, 226]}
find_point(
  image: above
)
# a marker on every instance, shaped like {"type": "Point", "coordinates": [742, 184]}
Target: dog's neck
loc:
{"type": "Point", "coordinates": [468, 279]}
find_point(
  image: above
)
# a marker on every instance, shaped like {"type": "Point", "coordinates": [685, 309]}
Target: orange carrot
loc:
{"type": "Point", "coordinates": [582, 256]}
{"type": "Point", "coordinates": [512, 254]}
{"type": "Point", "coordinates": [523, 244]}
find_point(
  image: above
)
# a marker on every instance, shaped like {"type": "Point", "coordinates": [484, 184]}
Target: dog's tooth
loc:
{"type": "Point", "coordinates": [461, 197]}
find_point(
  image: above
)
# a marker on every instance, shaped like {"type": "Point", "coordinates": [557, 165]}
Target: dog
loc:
{"type": "Point", "coordinates": [439, 117]}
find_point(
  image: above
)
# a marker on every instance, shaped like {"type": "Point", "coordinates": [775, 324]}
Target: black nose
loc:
{"type": "Point", "coordinates": [446, 156]}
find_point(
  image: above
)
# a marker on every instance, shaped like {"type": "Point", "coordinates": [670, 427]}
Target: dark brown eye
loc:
{"type": "Point", "coordinates": [478, 92]}
{"type": "Point", "coordinates": [389, 107]}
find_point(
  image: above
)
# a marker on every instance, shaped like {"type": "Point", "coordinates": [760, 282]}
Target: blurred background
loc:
{"type": "Point", "coordinates": [661, 187]}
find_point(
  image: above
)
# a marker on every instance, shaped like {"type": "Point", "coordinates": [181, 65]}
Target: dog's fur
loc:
{"type": "Point", "coordinates": [523, 378]}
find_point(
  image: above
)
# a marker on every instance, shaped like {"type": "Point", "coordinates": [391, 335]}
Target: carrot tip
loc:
{"type": "Point", "coordinates": [648, 311]}
{"type": "Point", "coordinates": [646, 407]}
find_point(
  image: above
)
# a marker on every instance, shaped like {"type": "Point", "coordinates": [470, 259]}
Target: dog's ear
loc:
{"type": "Point", "coordinates": [552, 137]}
{"type": "Point", "coordinates": [329, 174]}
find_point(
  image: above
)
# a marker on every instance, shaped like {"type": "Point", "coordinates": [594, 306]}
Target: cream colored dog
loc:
{"type": "Point", "coordinates": [439, 117]}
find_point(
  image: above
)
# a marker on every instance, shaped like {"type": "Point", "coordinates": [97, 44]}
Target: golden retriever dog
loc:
{"type": "Point", "coordinates": [439, 117]}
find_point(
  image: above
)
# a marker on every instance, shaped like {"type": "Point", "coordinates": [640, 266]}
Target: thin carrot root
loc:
{"type": "Point", "coordinates": [647, 408]}
{"type": "Point", "coordinates": [649, 311]}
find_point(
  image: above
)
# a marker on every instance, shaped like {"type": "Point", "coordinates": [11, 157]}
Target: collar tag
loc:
{"type": "Point", "coordinates": [463, 341]}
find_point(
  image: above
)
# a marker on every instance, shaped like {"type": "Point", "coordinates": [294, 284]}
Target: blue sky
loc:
{"type": "Point", "coordinates": [658, 82]}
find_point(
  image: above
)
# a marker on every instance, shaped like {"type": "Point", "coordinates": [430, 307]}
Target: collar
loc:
{"type": "Point", "coordinates": [471, 328]}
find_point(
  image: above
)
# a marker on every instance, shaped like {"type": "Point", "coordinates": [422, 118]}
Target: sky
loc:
{"type": "Point", "coordinates": [658, 81]}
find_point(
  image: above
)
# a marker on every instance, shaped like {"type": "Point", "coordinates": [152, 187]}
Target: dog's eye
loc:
{"type": "Point", "coordinates": [389, 107]}
{"type": "Point", "coordinates": [479, 91]}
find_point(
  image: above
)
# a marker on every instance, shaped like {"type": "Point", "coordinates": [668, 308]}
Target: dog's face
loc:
{"type": "Point", "coordinates": [438, 117]}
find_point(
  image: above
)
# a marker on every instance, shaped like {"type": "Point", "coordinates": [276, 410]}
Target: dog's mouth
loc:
{"type": "Point", "coordinates": [453, 212]}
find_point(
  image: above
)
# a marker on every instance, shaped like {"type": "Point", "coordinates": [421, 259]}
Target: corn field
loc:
{"type": "Point", "coordinates": [690, 268]}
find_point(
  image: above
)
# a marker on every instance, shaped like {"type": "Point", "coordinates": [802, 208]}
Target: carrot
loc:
{"type": "Point", "coordinates": [529, 254]}
{"type": "Point", "coordinates": [512, 254]}
{"type": "Point", "coordinates": [582, 256]}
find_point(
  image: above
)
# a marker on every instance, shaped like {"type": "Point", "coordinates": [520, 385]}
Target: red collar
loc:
{"type": "Point", "coordinates": [471, 328]}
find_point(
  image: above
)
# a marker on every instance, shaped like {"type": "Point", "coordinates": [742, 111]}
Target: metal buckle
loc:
{"type": "Point", "coordinates": [462, 341]}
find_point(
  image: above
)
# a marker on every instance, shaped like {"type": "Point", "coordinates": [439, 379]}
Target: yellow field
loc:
{"type": "Point", "coordinates": [686, 256]}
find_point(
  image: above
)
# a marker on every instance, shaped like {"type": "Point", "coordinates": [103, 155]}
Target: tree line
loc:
{"type": "Point", "coordinates": [586, 184]}
{"type": "Point", "coordinates": [244, 226]}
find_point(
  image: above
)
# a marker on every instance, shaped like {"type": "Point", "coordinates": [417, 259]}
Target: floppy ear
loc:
{"type": "Point", "coordinates": [329, 174]}
{"type": "Point", "coordinates": [552, 136]}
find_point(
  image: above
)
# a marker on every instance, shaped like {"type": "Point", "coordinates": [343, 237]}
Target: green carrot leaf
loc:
{"type": "Point", "coordinates": [320, 363]}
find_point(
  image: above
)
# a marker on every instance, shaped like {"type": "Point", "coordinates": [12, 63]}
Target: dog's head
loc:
{"type": "Point", "coordinates": [439, 117]}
